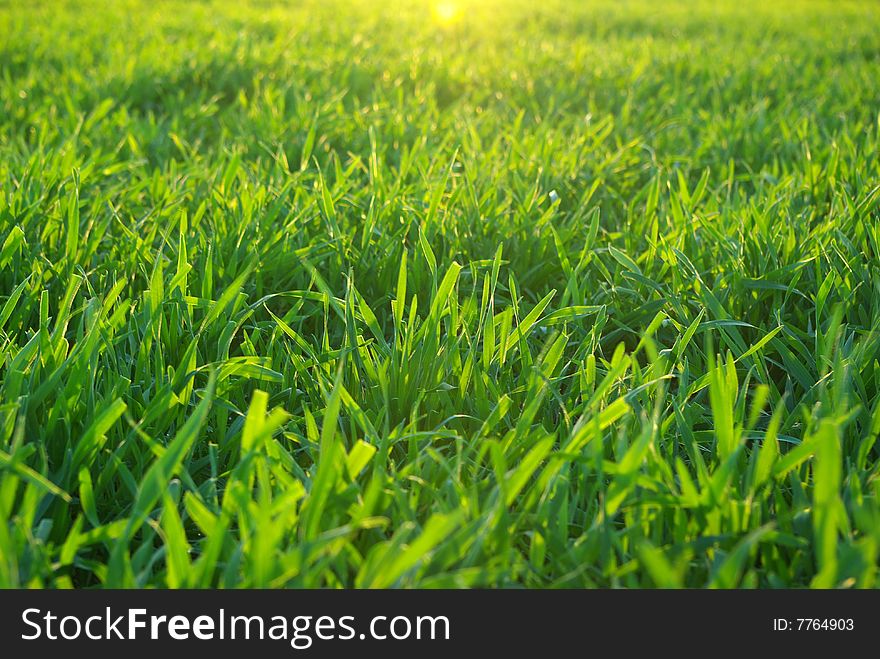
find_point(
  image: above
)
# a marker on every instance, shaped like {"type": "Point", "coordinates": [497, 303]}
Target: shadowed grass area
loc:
{"type": "Point", "coordinates": [489, 294]}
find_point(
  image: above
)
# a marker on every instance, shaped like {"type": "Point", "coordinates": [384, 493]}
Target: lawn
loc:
{"type": "Point", "coordinates": [439, 294]}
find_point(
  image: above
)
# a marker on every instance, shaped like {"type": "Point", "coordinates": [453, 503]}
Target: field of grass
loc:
{"type": "Point", "coordinates": [439, 294]}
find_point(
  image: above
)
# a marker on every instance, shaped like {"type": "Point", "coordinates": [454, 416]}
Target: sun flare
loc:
{"type": "Point", "coordinates": [446, 12]}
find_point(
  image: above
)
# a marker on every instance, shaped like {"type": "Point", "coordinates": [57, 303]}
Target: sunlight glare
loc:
{"type": "Point", "coordinates": [446, 12]}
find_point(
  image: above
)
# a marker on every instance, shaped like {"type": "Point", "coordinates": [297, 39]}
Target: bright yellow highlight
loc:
{"type": "Point", "coordinates": [446, 12]}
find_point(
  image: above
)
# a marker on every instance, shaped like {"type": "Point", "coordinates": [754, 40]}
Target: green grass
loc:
{"type": "Point", "coordinates": [325, 294]}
